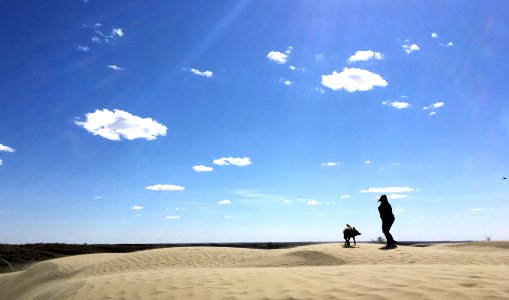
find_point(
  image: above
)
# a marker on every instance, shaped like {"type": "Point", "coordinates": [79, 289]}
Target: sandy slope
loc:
{"type": "Point", "coordinates": [325, 271]}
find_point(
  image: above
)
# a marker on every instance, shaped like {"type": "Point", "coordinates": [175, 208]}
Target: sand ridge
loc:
{"type": "Point", "coordinates": [323, 271]}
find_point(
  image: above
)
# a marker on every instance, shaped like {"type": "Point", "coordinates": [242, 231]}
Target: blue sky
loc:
{"type": "Point", "coordinates": [171, 121]}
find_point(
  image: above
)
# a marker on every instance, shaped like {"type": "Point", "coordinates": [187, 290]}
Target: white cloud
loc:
{"type": "Point", "coordinates": [477, 209]}
{"type": "Point", "coordinates": [83, 48]}
{"type": "Point", "coordinates": [117, 32]}
{"type": "Point", "coordinates": [434, 35]}
{"type": "Point", "coordinates": [224, 202]}
{"type": "Point", "coordinates": [202, 168]}
{"type": "Point", "coordinates": [288, 83]}
{"type": "Point", "coordinates": [433, 106]}
{"type": "Point", "coordinates": [345, 196]}
{"type": "Point", "coordinates": [207, 74]}
{"type": "Point", "coordinates": [396, 196]}
{"type": "Point", "coordinates": [292, 68]}
{"type": "Point", "coordinates": [320, 90]}
{"type": "Point", "coordinates": [289, 50]}
{"type": "Point", "coordinates": [368, 162]}
{"type": "Point", "coordinates": [4, 148]}
{"type": "Point", "coordinates": [287, 201]}
{"type": "Point", "coordinates": [115, 68]}
{"type": "Point", "coordinates": [1, 162]}
{"type": "Point", "coordinates": [322, 214]}
{"type": "Point", "coordinates": [95, 39]}
{"type": "Point", "coordinates": [450, 44]}
{"type": "Point", "coordinates": [365, 55]}
{"type": "Point", "coordinates": [392, 189]}
{"type": "Point", "coordinates": [237, 161]}
{"type": "Point", "coordinates": [165, 187]}
{"type": "Point", "coordinates": [313, 202]}
{"type": "Point", "coordinates": [173, 217]}
{"type": "Point", "coordinates": [227, 216]}
{"type": "Point", "coordinates": [277, 57]}
{"type": "Point", "coordinates": [98, 197]}
{"type": "Point", "coordinates": [330, 164]}
{"type": "Point", "coordinates": [117, 124]}
{"type": "Point", "coordinates": [318, 56]}
{"type": "Point", "coordinates": [353, 79]}
{"type": "Point", "coordinates": [397, 104]}
{"type": "Point", "coordinates": [410, 48]}
{"type": "Point", "coordinates": [136, 207]}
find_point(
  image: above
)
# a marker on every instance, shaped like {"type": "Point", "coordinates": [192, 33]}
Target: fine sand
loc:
{"type": "Point", "coordinates": [323, 271]}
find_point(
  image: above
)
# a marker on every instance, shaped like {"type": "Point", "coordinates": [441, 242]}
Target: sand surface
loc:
{"type": "Point", "coordinates": [324, 271]}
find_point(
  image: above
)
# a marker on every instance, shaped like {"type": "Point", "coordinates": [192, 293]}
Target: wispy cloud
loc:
{"type": "Point", "coordinates": [82, 48]}
{"type": "Point", "coordinates": [434, 35]}
{"type": "Point", "coordinates": [287, 201]}
{"type": "Point", "coordinates": [397, 104]}
{"type": "Point", "coordinates": [1, 162]}
{"type": "Point", "coordinates": [293, 68]}
{"type": "Point", "coordinates": [207, 74]}
{"type": "Point", "coordinates": [236, 161]}
{"type": "Point", "coordinates": [117, 124]}
{"type": "Point", "coordinates": [313, 202]}
{"type": "Point", "coordinates": [202, 168]}
{"type": "Point", "coordinates": [392, 189]}
{"type": "Point", "coordinates": [98, 197]}
{"type": "Point", "coordinates": [433, 107]}
{"type": "Point", "coordinates": [172, 217]}
{"type": "Point", "coordinates": [368, 162]}
{"type": "Point", "coordinates": [117, 32]}
{"type": "Point", "coordinates": [136, 207]}
{"type": "Point", "coordinates": [115, 68]}
{"type": "Point", "coordinates": [4, 148]}
{"type": "Point", "coordinates": [365, 56]}
{"type": "Point", "coordinates": [477, 209]}
{"type": "Point", "coordinates": [165, 187]}
{"type": "Point", "coordinates": [353, 79]}
{"type": "Point", "coordinates": [345, 196]}
{"type": "Point", "coordinates": [287, 82]}
{"type": "Point", "coordinates": [410, 48]}
{"type": "Point", "coordinates": [330, 164]}
{"type": "Point", "coordinates": [99, 36]}
{"type": "Point", "coordinates": [224, 202]}
{"type": "Point", "coordinates": [318, 56]}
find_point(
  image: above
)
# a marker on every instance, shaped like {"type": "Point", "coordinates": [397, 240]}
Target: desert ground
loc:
{"type": "Point", "coordinates": [477, 270]}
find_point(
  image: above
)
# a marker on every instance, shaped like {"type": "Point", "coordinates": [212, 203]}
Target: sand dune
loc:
{"type": "Point", "coordinates": [324, 271]}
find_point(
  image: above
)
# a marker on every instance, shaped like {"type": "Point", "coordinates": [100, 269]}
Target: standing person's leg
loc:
{"type": "Point", "coordinates": [386, 227]}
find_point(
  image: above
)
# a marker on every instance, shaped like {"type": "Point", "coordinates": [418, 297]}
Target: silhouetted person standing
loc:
{"type": "Point", "coordinates": [387, 217]}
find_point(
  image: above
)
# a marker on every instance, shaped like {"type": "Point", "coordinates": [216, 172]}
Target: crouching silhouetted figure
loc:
{"type": "Point", "coordinates": [350, 232]}
{"type": "Point", "coordinates": [387, 217]}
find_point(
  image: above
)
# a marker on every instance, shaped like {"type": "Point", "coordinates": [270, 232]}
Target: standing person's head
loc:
{"type": "Point", "coordinates": [383, 199]}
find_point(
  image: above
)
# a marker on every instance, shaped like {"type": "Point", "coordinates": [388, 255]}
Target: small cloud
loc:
{"type": "Point", "coordinates": [289, 50]}
{"type": "Point", "coordinates": [330, 164]}
{"type": "Point", "coordinates": [202, 168]}
{"type": "Point", "coordinates": [434, 35]}
{"type": "Point", "coordinates": [136, 207]}
{"type": "Point", "coordinates": [182, 209]}
{"type": "Point", "coordinates": [227, 216]}
{"type": "Point", "coordinates": [224, 202]}
{"type": "Point", "coordinates": [392, 189]}
{"type": "Point", "coordinates": [83, 48]}
{"type": "Point", "coordinates": [293, 68]}
{"type": "Point", "coordinates": [365, 56]}
{"type": "Point", "coordinates": [165, 187]}
{"type": "Point", "coordinates": [450, 44]}
{"type": "Point", "coordinates": [313, 202]}
{"type": "Point", "coordinates": [277, 57]}
{"type": "Point", "coordinates": [287, 201]}
{"type": "Point", "coordinates": [95, 39]}
{"type": "Point", "coordinates": [322, 214]}
{"type": "Point", "coordinates": [240, 162]}
{"type": "Point", "coordinates": [207, 74]}
{"type": "Point", "coordinates": [172, 217]}
{"type": "Point", "coordinates": [399, 211]}
{"type": "Point", "coordinates": [477, 209]}
{"type": "Point", "coordinates": [115, 68]}
{"type": "Point", "coordinates": [353, 79]}
{"type": "Point", "coordinates": [288, 83]}
{"type": "Point", "coordinates": [432, 113]}
{"type": "Point", "coordinates": [410, 48]}
{"type": "Point", "coordinates": [318, 56]}
{"type": "Point", "coordinates": [368, 162]}
{"type": "Point", "coordinates": [117, 32]}
{"type": "Point", "coordinates": [4, 148]}
{"type": "Point", "coordinates": [320, 90]}
{"type": "Point", "coordinates": [397, 104]}
{"type": "Point", "coordinates": [98, 197]}
{"type": "Point", "coordinates": [345, 196]}
{"type": "Point", "coordinates": [433, 107]}
{"type": "Point", "coordinates": [117, 124]}
{"type": "Point", "coordinates": [1, 162]}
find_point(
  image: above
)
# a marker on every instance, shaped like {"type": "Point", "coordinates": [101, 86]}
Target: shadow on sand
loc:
{"type": "Point", "coordinates": [388, 248]}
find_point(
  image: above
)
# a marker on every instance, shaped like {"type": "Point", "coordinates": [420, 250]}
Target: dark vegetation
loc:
{"type": "Point", "coordinates": [18, 257]}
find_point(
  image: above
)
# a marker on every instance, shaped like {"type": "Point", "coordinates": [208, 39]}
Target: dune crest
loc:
{"type": "Point", "coordinates": [317, 271]}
